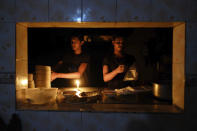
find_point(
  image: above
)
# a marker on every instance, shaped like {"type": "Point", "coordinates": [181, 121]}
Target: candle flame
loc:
{"type": "Point", "coordinates": [77, 89]}
{"type": "Point", "coordinates": [77, 82]}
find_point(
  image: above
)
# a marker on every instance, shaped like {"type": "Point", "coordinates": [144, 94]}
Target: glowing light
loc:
{"type": "Point", "coordinates": [77, 92]}
{"type": "Point", "coordinates": [77, 83]}
{"type": "Point", "coordinates": [24, 82]}
{"type": "Point", "coordinates": [78, 19]}
{"type": "Point", "coordinates": [77, 16]}
{"type": "Point", "coordinates": [77, 89]}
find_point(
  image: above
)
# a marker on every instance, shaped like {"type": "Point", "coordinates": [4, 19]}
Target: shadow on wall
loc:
{"type": "Point", "coordinates": [3, 126]}
{"type": "Point", "coordinates": [13, 125]}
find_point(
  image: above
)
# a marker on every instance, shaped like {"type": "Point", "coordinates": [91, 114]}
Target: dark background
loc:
{"type": "Point", "coordinates": [151, 47]}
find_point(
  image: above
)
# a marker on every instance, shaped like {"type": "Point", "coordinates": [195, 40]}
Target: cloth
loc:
{"type": "Point", "coordinates": [113, 62]}
{"type": "Point", "coordinates": [71, 63]}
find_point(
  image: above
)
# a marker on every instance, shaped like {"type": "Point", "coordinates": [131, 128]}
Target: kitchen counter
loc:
{"type": "Point", "coordinates": [139, 102]}
{"type": "Point", "coordinates": [104, 108]}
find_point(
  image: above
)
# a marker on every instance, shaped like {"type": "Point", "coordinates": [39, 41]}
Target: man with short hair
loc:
{"type": "Point", "coordinates": [72, 66]}
{"type": "Point", "coordinates": [116, 64]}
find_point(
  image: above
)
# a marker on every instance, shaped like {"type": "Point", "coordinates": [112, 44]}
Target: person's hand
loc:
{"type": "Point", "coordinates": [53, 76]}
{"type": "Point", "coordinates": [120, 69]}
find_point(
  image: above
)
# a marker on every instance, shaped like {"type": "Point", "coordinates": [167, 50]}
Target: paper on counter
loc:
{"type": "Point", "coordinates": [125, 91]}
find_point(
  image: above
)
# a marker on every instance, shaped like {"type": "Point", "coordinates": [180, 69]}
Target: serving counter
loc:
{"type": "Point", "coordinates": [96, 99]}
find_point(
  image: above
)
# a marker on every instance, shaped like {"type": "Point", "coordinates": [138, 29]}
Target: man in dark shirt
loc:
{"type": "Point", "coordinates": [116, 64]}
{"type": "Point", "coordinates": [72, 66]}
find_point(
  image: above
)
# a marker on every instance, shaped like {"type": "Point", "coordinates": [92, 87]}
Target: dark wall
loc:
{"type": "Point", "coordinates": [153, 52]}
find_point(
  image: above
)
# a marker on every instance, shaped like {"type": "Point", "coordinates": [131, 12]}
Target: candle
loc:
{"type": "Point", "coordinates": [77, 90]}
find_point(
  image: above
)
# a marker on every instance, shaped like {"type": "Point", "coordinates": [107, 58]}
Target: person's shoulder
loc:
{"type": "Point", "coordinates": [108, 59]}
{"type": "Point", "coordinates": [85, 54]}
{"type": "Point", "coordinates": [130, 57]}
{"type": "Point", "coordinates": [109, 55]}
{"type": "Point", "coordinates": [84, 57]}
{"type": "Point", "coordinates": [67, 55]}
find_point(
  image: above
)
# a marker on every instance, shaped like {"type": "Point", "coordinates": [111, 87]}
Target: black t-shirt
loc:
{"type": "Point", "coordinates": [71, 63]}
{"type": "Point", "coordinates": [113, 62]}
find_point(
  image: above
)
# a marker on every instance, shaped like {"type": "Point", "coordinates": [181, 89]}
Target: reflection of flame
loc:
{"type": "Point", "coordinates": [78, 92]}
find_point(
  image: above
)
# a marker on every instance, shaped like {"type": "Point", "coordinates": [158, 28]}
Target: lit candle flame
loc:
{"type": "Point", "coordinates": [77, 89]}
{"type": "Point", "coordinates": [77, 82]}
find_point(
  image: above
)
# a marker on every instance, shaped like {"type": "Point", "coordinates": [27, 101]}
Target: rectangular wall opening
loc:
{"type": "Point", "coordinates": [159, 49]}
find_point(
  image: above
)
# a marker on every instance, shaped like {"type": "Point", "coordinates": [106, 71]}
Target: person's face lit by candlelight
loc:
{"type": "Point", "coordinates": [73, 64]}
{"type": "Point", "coordinates": [118, 44]}
{"type": "Point", "coordinates": [76, 44]}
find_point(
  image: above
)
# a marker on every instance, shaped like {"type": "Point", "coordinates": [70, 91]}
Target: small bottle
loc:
{"type": "Point", "coordinates": [133, 72]}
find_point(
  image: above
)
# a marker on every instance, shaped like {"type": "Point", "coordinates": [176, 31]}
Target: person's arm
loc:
{"type": "Point", "coordinates": [107, 76]}
{"type": "Point", "coordinates": [73, 75]}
